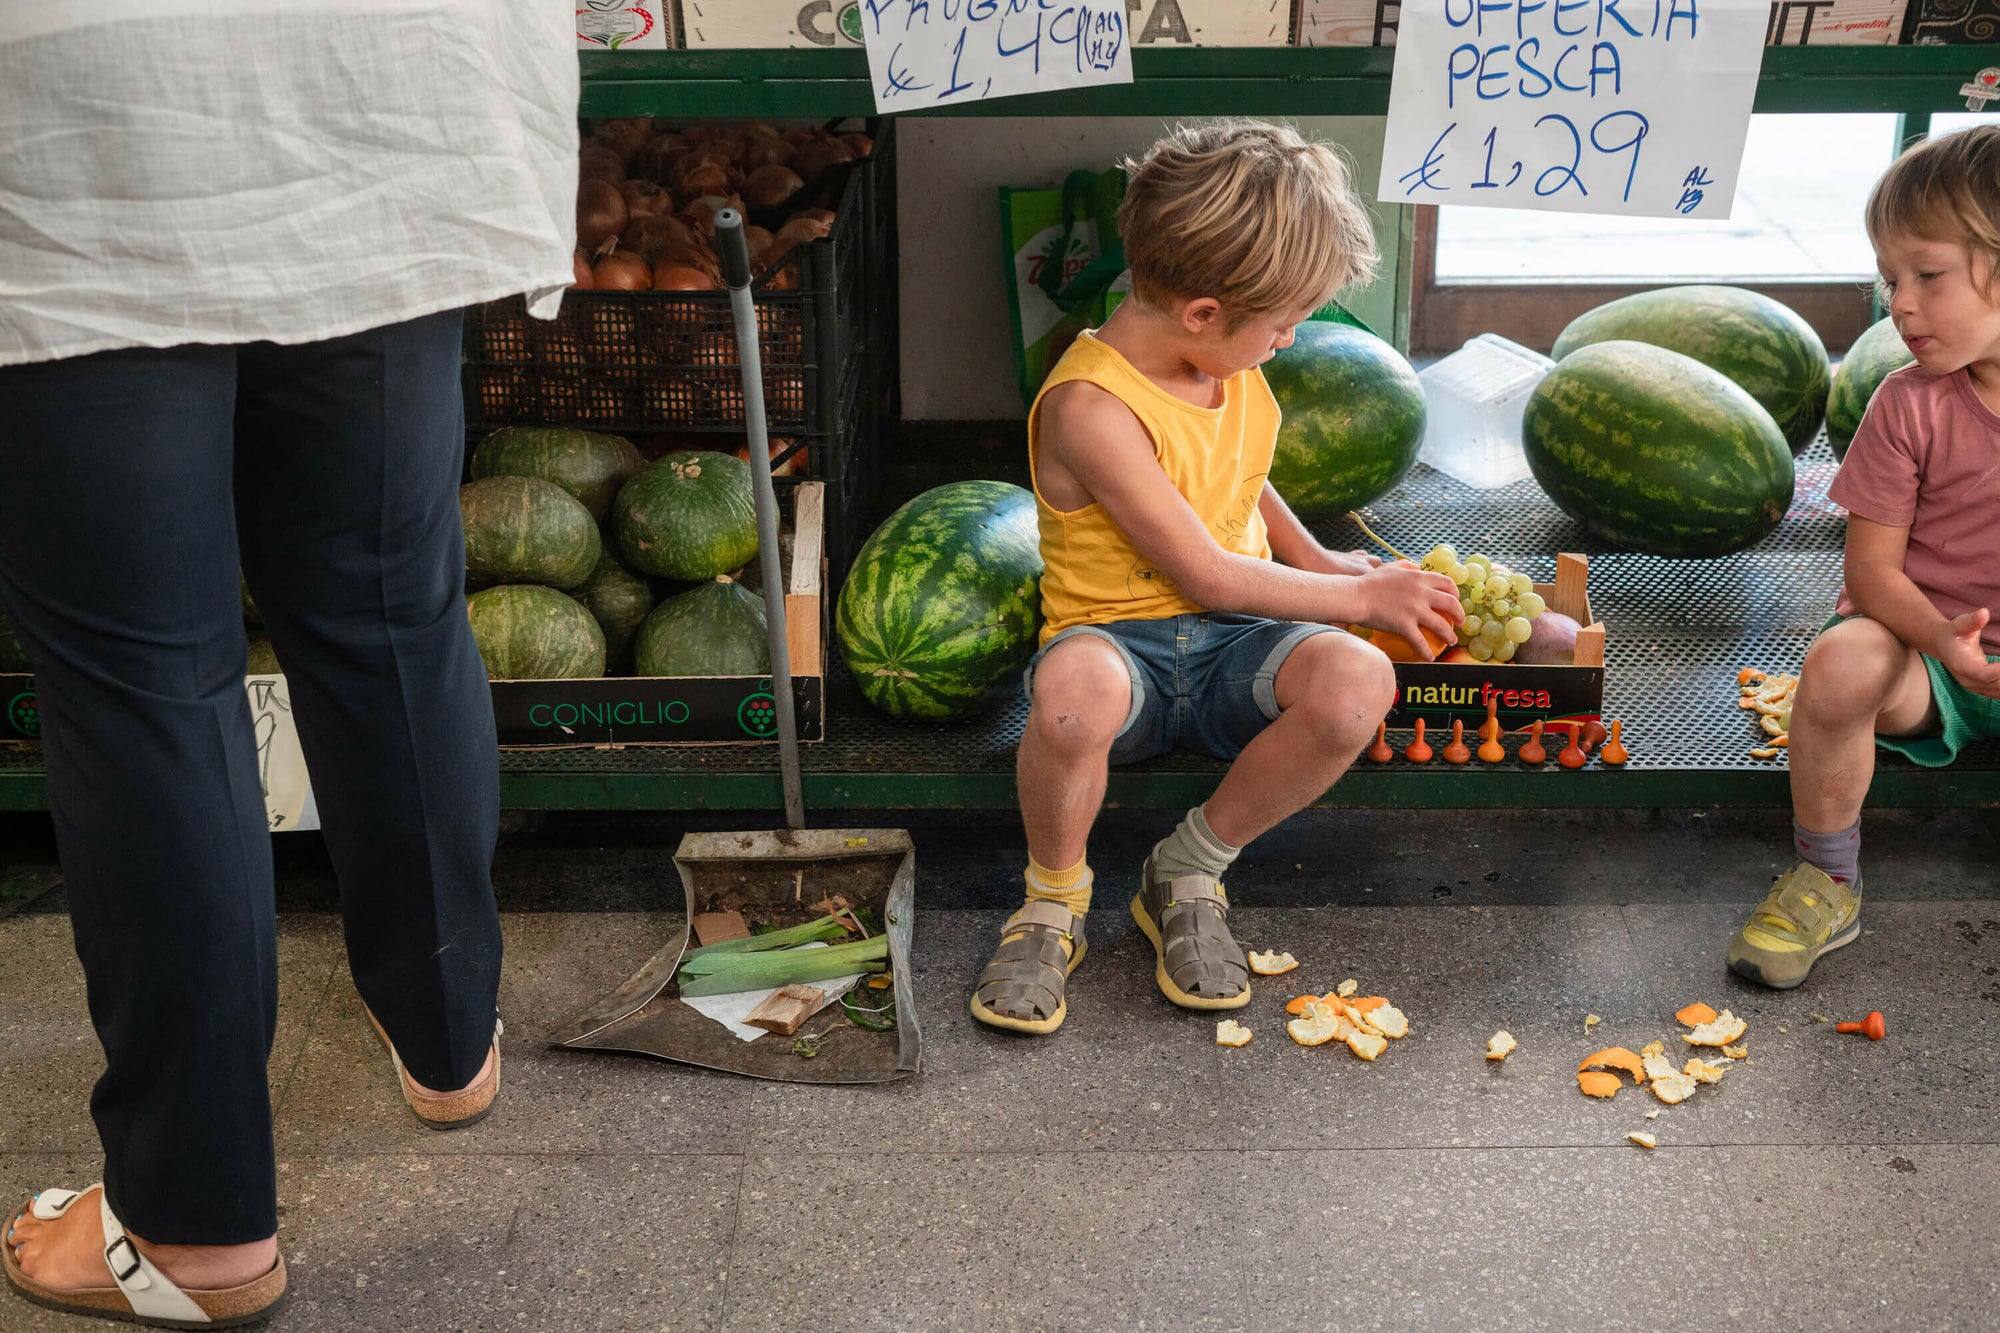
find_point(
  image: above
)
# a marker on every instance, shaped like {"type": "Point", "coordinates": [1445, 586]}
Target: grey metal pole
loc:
{"type": "Point", "coordinates": [736, 272]}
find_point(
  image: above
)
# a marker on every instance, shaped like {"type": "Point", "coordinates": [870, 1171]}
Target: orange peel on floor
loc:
{"type": "Point", "coordinates": [1500, 1045]}
{"type": "Point", "coordinates": [1643, 1139]}
{"type": "Point", "coordinates": [1386, 1019]}
{"type": "Point", "coordinates": [1366, 1003]}
{"type": "Point", "coordinates": [1272, 964]}
{"type": "Point", "coordinates": [1702, 1071]}
{"type": "Point", "coordinates": [1722, 1030]}
{"type": "Point", "coordinates": [1695, 1015]}
{"type": "Point", "coordinates": [1659, 1067]}
{"type": "Point", "coordinates": [1347, 988]}
{"type": "Point", "coordinates": [1297, 1004]}
{"type": "Point", "coordinates": [1737, 1052]}
{"type": "Point", "coordinates": [1674, 1088]}
{"type": "Point", "coordinates": [1597, 1083]}
{"type": "Point", "coordinates": [1367, 1045]}
{"type": "Point", "coordinates": [1229, 1032]}
{"type": "Point", "coordinates": [1614, 1057]}
{"type": "Point", "coordinates": [1315, 1029]}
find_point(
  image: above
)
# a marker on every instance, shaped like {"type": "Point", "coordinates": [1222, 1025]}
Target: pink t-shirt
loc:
{"type": "Point", "coordinates": [1927, 457]}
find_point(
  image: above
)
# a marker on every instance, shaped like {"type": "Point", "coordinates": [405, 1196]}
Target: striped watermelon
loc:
{"type": "Point", "coordinates": [1655, 452]}
{"type": "Point", "coordinates": [1761, 344]}
{"type": "Point", "coordinates": [1877, 352]}
{"type": "Point", "coordinates": [1354, 419]}
{"type": "Point", "coordinates": [942, 606]}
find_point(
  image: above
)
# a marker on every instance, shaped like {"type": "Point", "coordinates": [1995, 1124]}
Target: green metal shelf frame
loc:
{"type": "Point", "coordinates": [1289, 81]}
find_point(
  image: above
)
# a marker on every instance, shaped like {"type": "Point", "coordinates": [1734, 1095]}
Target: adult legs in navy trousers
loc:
{"type": "Point", "coordinates": [129, 481]}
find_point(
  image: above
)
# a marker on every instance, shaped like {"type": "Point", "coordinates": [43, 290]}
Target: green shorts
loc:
{"type": "Point", "coordinates": [1963, 717]}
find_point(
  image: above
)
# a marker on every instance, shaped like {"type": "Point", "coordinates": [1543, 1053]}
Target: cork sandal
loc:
{"type": "Point", "coordinates": [454, 1110]}
{"type": "Point", "coordinates": [1023, 987]}
{"type": "Point", "coordinates": [1199, 963]}
{"type": "Point", "coordinates": [143, 1294]}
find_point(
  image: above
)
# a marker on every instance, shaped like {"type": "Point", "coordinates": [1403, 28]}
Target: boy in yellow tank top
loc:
{"type": "Point", "coordinates": [1185, 603]}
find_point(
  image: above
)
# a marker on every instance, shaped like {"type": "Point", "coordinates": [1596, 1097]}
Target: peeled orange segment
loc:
{"type": "Point", "coordinates": [1272, 964]}
{"type": "Point", "coordinates": [1614, 1057]}
{"type": "Point", "coordinates": [1367, 1045]}
{"type": "Point", "coordinates": [1695, 1015]}
{"type": "Point", "coordinates": [1597, 1083]}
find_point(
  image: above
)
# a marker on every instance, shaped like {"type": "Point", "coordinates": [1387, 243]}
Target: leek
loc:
{"type": "Point", "coordinates": [819, 928]}
{"type": "Point", "coordinates": [737, 970]}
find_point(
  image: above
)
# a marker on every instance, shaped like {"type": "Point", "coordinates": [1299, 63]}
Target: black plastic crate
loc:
{"type": "Point", "coordinates": [648, 362]}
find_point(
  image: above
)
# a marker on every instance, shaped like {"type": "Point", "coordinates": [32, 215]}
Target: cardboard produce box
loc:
{"type": "Point", "coordinates": [1952, 23]}
{"type": "Point", "coordinates": [1439, 692]}
{"type": "Point", "coordinates": [1792, 22]}
{"type": "Point", "coordinates": [758, 24]}
{"type": "Point", "coordinates": [625, 25]}
{"type": "Point", "coordinates": [689, 710]}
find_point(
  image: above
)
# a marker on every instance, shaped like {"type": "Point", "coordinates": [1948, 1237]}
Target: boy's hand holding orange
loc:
{"type": "Point", "coordinates": [1959, 648]}
{"type": "Point", "coordinates": [1420, 606]}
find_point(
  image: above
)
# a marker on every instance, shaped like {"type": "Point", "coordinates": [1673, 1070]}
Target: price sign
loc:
{"type": "Point", "coordinates": [1577, 106]}
{"type": "Point", "coordinates": [930, 53]}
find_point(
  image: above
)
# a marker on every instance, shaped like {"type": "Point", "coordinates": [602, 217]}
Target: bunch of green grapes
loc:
{"type": "Point", "coordinates": [1498, 602]}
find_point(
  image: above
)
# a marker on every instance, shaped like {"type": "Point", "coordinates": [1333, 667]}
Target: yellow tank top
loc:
{"type": "Point", "coordinates": [1216, 457]}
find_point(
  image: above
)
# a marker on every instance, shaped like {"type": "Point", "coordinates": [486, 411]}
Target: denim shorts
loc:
{"type": "Point", "coordinates": [1207, 682]}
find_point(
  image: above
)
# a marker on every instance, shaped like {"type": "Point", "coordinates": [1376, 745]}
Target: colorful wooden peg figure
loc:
{"type": "Point", "coordinates": [1379, 752]}
{"type": "Point", "coordinates": [1489, 730]}
{"type": "Point", "coordinates": [1593, 735]}
{"type": "Point", "coordinates": [1491, 751]}
{"type": "Point", "coordinates": [1532, 752]}
{"type": "Point", "coordinates": [1572, 755]}
{"type": "Point", "coordinates": [1418, 752]}
{"type": "Point", "coordinates": [1614, 751]}
{"type": "Point", "coordinates": [1458, 752]}
{"type": "Point", "coordinates": [1871, 1027]}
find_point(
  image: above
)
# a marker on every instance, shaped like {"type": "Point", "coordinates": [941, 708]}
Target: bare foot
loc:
{"type": "Point", "coordinates": [485, 1071]}
{"type": "Point", "coordinates": [67, 1253]}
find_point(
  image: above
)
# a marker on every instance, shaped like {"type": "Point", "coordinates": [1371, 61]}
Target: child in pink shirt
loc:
{"type": "Point", "coordinates": [1905, 664]}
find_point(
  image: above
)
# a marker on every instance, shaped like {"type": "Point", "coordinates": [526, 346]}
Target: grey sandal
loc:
{"type": "Point", "coordinates": [1022, 987]}
{"type": "Point", "coordinates": [1200, 965]}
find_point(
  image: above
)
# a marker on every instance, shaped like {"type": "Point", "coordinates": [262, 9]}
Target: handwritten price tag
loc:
{"type": "Point", "coordinates": [931, 53]}
{"type": "Point", "coordinates": [1578, 106]}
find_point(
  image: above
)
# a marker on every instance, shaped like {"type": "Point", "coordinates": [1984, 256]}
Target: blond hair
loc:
{"type": "Point", "coordinates": [1252, 214]}
{"type": "Point", "coordinates": [1944, 189]}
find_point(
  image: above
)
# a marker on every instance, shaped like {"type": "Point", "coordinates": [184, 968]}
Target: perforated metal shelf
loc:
{"type": "Point", "coordinates": [1678, 631]}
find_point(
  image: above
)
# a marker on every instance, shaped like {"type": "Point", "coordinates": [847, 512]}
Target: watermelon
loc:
{"type": "Point", "coordinates": [263, 658]}
{"type": "Point", "coordinates": [526, 530]}
{"type": "Point", "coordinates": [1353, 419]}
{"type": "Point", "coordinates": [1761, 344]}
{"type": "Point", "coordinates": [716, 629]}
{"type": "Point", "coordinates": [528, 632]}
{"type": "Point", "coordinates": [942, 605]}
{"type": "Point", "coordinates": [1655, 452]}
{"type": "Point", "coordinates": [689, 517]}
{"type": "Point", "coordinates": [621, 601]}
{"type": "Point", "coordinates": [1878, 351]}
{"type": "Point", "coordinates": [589, 465]}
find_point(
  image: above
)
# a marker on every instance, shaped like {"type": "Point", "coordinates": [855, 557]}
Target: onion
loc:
{"type": "Point", "coordinates": [801, 230]}
{"type": "Point", "coordinates": [704, 209]}
{"type": "Point", "coordinates": [726, 143]}
{"type": "Point", "coordinates": [826, 215]}
{"type": "Point", "coordinates": [656, 160]}
{"type": "Point", "coordinates": [646, 199]}
{"type": "Point", "coordinates": [766, 152]}
{"type": "Point", "coordinates": [761, 244]}
{"type": "Point", "coordinates": [699, 174]}
{"type": "Point", "coordinates": [689, 254]}
{"type": "Point", "coordinates": [772, 186]}
{"type": "Point", "coordinates": [862, 145]}
{"type": "Point", "coordinates": [581, 268]}
{"type": "Point", "coordinates": [600, 213]}
{"type": "Point", "coordinates": [682, 278]}
{"type": "Point", "coordinates": [622, 271]}
{"type": "Point", "coordinates": [596, 162]}
{"type": "Point", "coordinates": [624, 137]}
{"type": "Point", "coordinates": [646, 236]}
{"type": "Point", "coordinates": [820, 156]}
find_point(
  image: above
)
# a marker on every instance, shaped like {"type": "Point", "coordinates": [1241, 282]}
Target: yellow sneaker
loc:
{"type": "Point", "coordinates": [1806, 914]}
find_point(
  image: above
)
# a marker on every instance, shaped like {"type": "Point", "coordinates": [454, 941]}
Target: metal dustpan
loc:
{"type": "Point", "coordinates": [778, 872]}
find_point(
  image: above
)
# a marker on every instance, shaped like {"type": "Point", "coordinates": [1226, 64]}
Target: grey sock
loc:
{"type": "Point", "coordinates": [1193, 849]}
{"type": "Point", "coordinates": [1838, 854]}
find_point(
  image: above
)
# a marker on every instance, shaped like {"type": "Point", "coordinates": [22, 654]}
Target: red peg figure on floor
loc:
{"type": "Point", "coordinates": [1593, 735]}
{"type": "Point", "coordinates": [1379, 752]}
{"type": "Point", "coordinates": [1418, 752]}
{"type": "Point", "coordinates": [1871, 1027]}
{"type": "Point", "coordinates": [1573, 755]}
{"type": "Point", "coordinates": [1532, 752]}
{"type": "Point", "coordinates": [1457, 752]}
{"type": "Point", "coordinates": [1614, 751]}
{"type": "Point", "coordinates": [1489, 730]}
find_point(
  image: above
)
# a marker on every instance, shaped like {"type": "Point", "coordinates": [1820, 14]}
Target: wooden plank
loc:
{"type": "Point", "coordinates": [786, 1009]}
{"type": "Point", "coordinates": [715, 927]}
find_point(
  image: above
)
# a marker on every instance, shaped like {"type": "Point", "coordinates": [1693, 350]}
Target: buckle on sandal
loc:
{"type": "Point", "coordinates": [132, 1250]}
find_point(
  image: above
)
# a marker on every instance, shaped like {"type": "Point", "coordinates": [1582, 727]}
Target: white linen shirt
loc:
{"type": "Point", "coordinates": [228, 171]}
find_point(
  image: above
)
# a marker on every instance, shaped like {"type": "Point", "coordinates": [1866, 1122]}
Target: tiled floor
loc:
{"type": "Point", "coordinates": [1127, 1173]}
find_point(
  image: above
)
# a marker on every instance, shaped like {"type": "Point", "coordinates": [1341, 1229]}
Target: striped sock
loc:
{"type": "Point", "coordinates": [1837, 853]}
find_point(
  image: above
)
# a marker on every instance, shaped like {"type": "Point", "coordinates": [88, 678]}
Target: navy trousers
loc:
{"type": "Point", "coordinates": [132, 483]}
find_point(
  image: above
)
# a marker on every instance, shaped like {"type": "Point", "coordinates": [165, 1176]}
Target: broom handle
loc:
{"type": "Point", "coordinates": [736, 271]}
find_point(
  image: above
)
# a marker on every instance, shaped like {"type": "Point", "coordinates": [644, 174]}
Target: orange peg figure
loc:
{"type": "Point", "coordinates": [1458, 752]}
{"type": "Point", "coordinates": [1593, 735]}
{"type": "Point", "coordinates": [1379, 752]}
{"type": "Point", "coordinates": [1492, 751]}
{"type": "Point", "coordinates": [1871, 1027]}
{"type": "Point", "coordinates": [1489, 730]}
{"type": "Point", "coordinates": [1572, 755]}
{"type": "Point", "coordinates": [1418, 752]}
{"type": "Point", "coordinates": [1614, 751]}
{"type": "Point", "coordinates": [1532, 752]}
